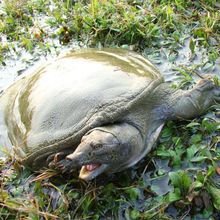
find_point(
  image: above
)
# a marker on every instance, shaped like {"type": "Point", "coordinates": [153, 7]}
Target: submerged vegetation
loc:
{"type": "Point", "coordinates": [180, 179]}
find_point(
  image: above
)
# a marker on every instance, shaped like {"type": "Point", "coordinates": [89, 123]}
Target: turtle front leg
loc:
{"type": "Point", "coordinates": [195, 102]}
{"type": "Point", "coordinates": [53, 159]}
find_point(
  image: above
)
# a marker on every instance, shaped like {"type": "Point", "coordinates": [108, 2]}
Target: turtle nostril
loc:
{"type": "Point", "coordinates": [74, 156]}
{"type": "Point", "coordinates": [68, 158]}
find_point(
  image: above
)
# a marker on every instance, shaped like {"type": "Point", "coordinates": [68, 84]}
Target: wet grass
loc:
{"type": "Point", "coordinates": [180, 178]}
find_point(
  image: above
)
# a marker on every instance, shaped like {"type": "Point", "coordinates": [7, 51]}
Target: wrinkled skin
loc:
{"type": "Point", "coordinates": [101, 151]}
{"type": "Point", "coordinates": [108, 148]}
{"type": "Point", "coordinates": [94, 111]}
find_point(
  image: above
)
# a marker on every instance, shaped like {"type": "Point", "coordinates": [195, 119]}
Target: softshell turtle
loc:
{"type": "Point", "coordinates": [98, 110]}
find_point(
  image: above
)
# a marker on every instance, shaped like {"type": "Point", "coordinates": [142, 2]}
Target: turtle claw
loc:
{"type": "Point", "coordinates": [58, 161]}
{"type": "Point", "coordinates": [65, 165]}
{"type": "Point", "coordinates": [54, 159]}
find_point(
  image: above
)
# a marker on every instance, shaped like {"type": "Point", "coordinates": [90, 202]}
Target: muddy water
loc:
{"type": "Point", "coordinates": [24, 62]}
{"type": "Point", "coordinates": [167, 63]}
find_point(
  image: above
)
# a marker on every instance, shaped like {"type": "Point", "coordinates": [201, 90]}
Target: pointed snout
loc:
{"type": "Point", "coordinates": [80, 155]}
{"type": "Point", "coordinates": [76, 158]}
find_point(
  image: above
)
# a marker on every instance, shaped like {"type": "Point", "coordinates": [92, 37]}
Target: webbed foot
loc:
{"type": "Point", "coordinates": [208, 90]}
{"type": "Point", "coordinates": [65, 165]}
{"type": "Point", "coordinates": [195, 102]}
{"type": "Point", "coordinates": [60, 162]}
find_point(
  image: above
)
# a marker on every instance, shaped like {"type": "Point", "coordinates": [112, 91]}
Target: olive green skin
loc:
{"type": "Point", "coordinates": [50, 110]}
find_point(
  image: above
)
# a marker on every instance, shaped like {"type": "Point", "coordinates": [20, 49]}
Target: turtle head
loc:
{"type": "Point", "coordinates": [101, 150]}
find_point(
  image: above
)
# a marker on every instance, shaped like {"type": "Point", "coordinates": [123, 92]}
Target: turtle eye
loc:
{"type": "Point", "coordinates": [96, 145]}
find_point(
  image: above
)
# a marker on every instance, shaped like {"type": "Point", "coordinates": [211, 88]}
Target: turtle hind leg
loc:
{"type": "Point", "coordinates": [195, 102]}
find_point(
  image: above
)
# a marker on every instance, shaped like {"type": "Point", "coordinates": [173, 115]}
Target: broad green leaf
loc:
{"type": "Point", "coordinates": [181, 180]}
{"type": "Point", "coordinates": [200, 177]}
{"type": "Point", "coordinates": [133, 193]}
{"type": "Point", "coordinates": [197, 184]}
{"type": "Point", "coordinates": [174, 196]}
{"type": "Point", "coordinates": [134, 214]}
{"type": "Point", "coordinates": [191, 151]}
{"type": "Point", "coordinates": [167, 132]}
{"type": "Point", "coordinates": [198, 158]}
{"type": "Point", "coordinates": [209, 125]}
{"type": "Point", "coordinates": [10, 20]}
{"type": "Point", "coordinates": [163, 154]}
{"type": "Point", "coordinates": [192, 124]}
{"type": "Point", "coordinates": [196, 138]}
{"type": "Point", "coordinates": [215, 194]}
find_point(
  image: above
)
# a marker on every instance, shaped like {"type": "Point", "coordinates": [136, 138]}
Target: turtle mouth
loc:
{"type": "Point", "coordinates": [90, 171]}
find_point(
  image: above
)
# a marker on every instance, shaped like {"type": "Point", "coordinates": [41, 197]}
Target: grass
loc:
{"type": "Point", "coordinates": [180, 178]}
